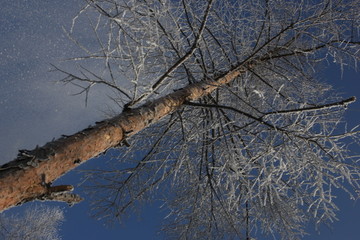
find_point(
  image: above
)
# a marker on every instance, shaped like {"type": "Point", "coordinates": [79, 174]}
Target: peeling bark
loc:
{"type": "Point", "coordinates": [30, 175]}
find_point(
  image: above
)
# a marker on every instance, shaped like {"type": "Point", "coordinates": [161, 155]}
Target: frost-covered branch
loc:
{"type": "Point", "coordinates": [38, 222]}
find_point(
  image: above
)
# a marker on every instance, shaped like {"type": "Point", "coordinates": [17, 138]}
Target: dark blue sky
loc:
{"type": "Point", "coordinates": [33, 110]}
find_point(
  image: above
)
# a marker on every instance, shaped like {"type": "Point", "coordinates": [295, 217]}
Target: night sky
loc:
{"type": "Point", "coordinates": [35, 109]}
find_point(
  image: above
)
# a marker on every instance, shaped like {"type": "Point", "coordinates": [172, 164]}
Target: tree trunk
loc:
{"type": "Point", "coordinates": [30, 175]}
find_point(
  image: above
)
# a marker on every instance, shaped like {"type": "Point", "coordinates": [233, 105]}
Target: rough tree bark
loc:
{"type": "Point", "coordinates": [30, 175]}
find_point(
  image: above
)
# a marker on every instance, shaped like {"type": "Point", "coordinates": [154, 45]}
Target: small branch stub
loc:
{"type": "Point", "coordinates": [61, 193]}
